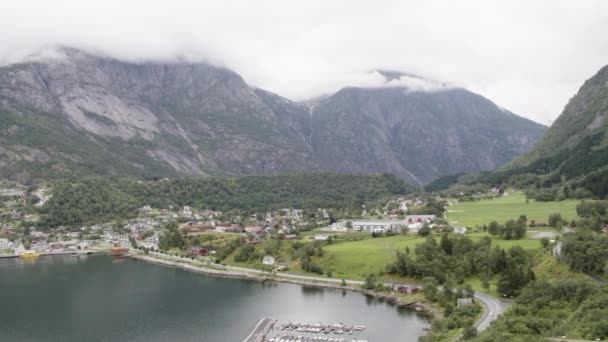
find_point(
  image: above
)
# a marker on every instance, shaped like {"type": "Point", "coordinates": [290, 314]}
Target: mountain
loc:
{"type": "Point", "coordinates": [79, 114]}
{"type": "Point", "coordinates": [155, 119]}
{"type": "Point", "coordinates": [575, 149]}
{"type": "Point", "coordinates": [418, 135]}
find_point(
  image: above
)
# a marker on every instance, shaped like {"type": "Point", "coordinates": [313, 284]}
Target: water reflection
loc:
{"type": "Point", "coordinates": [98, 298]}
{"type": "Point", "coordinates": [312, 291]}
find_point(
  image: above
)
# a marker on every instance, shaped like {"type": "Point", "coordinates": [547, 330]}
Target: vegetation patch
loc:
{"type": "Point", "coordinates": [478, 213]}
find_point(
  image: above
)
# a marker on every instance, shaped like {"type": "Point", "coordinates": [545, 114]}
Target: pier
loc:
{"type": "Point", "coordinates": [261, 330]}
{"type": "Point", "coordinates": [268, 331]}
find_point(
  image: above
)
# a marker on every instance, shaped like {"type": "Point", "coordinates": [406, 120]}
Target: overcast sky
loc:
{"type": "Point", "coordinates": [527, 56]}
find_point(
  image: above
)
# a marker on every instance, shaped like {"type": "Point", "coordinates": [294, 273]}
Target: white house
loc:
{"type": "Point", "coordinates": [339, 227]}
{"type": "Point", "coordinates": [5, 244]}
{"type": "Point", "coordinates": [321, 237]}
{"type": "Point", "coordinates": [460, 230]}
{"type": "Point", "coordinates": [268, 260]}
{"type": "Point", "coordinates": [415, 227]}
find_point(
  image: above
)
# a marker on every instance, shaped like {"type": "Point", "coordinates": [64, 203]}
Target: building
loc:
{"type": "Point", "coordinates": [464, 302]}
{"type": "Point", "coordinates": [415, 227]}
{"type": "Point", "coordinates": [460, 230]}
{"type": "Point", "coordinates": [5, 244]}
{"type": "Point", "coordinates": [378, 225]}
{"type": "Point", "coordinates": [252, 229]}
{"type": "Point", "coordinates": [268, 260]}
{"type": "Point", "coordinates": [321, 237]}
{"type": "Point", "coordinates": [419, 218]}
{"type": "Point", "coordinates": [187, 211]}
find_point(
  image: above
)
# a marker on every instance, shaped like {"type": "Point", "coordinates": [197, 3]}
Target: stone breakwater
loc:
{"type": "Point", "coordinates": [390, 298]}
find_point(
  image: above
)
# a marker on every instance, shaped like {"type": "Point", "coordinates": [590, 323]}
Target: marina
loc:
{"type": "Point", "coordinates": [268, 331]}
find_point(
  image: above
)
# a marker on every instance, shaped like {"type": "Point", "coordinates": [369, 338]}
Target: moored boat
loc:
{"type": "Point", "coordinates": [29, 255]}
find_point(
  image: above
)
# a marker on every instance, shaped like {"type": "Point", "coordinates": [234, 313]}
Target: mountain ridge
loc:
{"type": "Point", "coordinates": [153, 119]}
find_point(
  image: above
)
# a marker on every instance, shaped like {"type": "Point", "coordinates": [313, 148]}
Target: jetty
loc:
{"type": "Point", "coordinates": [260, 331]}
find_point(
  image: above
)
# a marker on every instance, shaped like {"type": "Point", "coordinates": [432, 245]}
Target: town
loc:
{"type": "Point", "coordinates": [19, 233]}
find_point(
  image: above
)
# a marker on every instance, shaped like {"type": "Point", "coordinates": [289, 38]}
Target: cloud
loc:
{"type": "Point", "coordinates": [527, 56]}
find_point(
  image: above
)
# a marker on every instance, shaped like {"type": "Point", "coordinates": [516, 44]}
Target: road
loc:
{"type": "Point", "coordinates": [492, 307]}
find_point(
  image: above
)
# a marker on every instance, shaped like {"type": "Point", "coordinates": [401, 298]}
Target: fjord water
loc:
{"type": "Point", "coordinates": [96, 298]}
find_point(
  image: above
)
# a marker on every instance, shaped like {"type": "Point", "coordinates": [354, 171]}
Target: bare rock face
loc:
{"type": "Point", "coordinates": [86, 114]}
{"type": "Point", "coordinates": [417, 135]}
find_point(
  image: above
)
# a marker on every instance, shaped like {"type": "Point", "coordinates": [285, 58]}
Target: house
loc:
{"type": "Point", "coordinates": [339, 226]}
{"type": "Point", "coordinates": [407, 289]}
{"type": "Point", "coordinates": [187, 211]}
{"type": "Point", "coordinates": [5, 244]}
{"type": "Point", "coordinates": [146, 209]}
{"type": "Point", "coordinates": [464, 302]}
{"type": "Point", "coordinates": [253, 229]}
{"type": "Point", "coordinates": [196, 251]}
{"type": "Point", "coordinates": [321, 237]}
{"type": "Point", "coordinates": [290, 237]}
{"type": "Point", "coordinates": [268, 260]}
{"type": "Point", "coordinates": [394, 213]}
{"type": "Point", "coordinates": [460, 230]}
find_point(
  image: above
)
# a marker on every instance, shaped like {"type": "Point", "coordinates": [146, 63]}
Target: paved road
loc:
{"type": "Point", "coordinates": [492, 308]}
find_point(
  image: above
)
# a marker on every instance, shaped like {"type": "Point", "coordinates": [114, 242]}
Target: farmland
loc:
{"type": "Point", "coordinates": [470, 214]}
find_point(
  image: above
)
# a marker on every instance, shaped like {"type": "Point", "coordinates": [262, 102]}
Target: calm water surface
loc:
{"type": "Point", "coordinates": [96, 298]}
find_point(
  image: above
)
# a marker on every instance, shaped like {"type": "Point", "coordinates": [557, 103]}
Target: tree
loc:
{"type": "Point", "coordinates": [370, 281]}
{"type": "Point", "coordinates": [446, 243]}
{"type": "Point", "coordinates": [424, 231]}
{"type": "Point", "coordinates": [544, 242]}
{"type": "Point", "coordinates": [343, 282]}
{"type": "Point", "coordinates": [519, 230]}
{"type": "Point", "coordinates": [430, 288]}
{"type": "Point", "coordinates": [469, 332]}
{"type": "Point", "coordinates": [555, 219]}
{"type": "Point", "coordinates": [494, 228]}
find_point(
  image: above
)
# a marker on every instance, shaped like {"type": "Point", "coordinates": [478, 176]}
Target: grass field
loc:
{"type": "Point", "coordinates": [353, 260]}
{"type": "Point", "coordinates": [469, 214]}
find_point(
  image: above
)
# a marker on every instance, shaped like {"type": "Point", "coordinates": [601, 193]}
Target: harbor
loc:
{"type": "Point", "coordinates": [267, 330]}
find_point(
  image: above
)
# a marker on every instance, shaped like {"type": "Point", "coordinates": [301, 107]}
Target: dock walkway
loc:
{"type": "Point", "coordinates": [261, 330]}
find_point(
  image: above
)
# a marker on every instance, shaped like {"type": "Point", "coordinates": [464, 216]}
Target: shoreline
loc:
{"type": "Point", "coordinates": [78, 252]}
{"type": "Point", "coordinates": [423, 309]}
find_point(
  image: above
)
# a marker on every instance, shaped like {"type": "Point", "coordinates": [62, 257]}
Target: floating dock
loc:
{"type": "Point", "coordinates": [261, 330]}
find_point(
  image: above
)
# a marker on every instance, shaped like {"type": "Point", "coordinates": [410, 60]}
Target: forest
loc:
{"type": "Point", "coordinates": [572, 308]}
{"type": "Point", "coordinates": [456, 257]}
{"type": "Point", "coordinates": [98, 200]}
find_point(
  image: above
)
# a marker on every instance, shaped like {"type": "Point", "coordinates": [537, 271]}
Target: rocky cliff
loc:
{"type": "Point", "coordinates": [81, 114]}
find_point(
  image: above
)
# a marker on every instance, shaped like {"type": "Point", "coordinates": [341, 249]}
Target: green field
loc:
{"type": "Point", "coordinates": [469, 214]}
{"type": "Point", "coordinates": [353, 260]}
